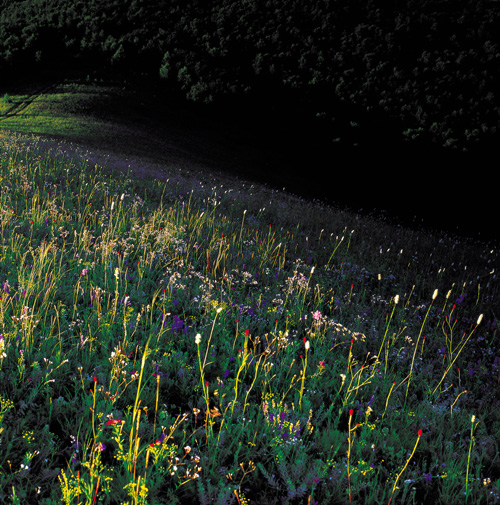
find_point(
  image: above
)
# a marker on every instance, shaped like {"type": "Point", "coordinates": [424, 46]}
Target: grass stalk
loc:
{"type": "Point", "coordinates": [404, 467]}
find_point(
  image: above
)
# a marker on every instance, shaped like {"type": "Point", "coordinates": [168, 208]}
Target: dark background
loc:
{"type": "Point", "coordinates": [390, 105]}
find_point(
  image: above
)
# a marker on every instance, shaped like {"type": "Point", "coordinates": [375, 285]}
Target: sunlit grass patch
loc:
{"type": "Point", "coordinates": [67, 110]}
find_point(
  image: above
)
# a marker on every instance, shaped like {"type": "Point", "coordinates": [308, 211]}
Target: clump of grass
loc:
{"type": "Point", "coordinates": [178, 342]}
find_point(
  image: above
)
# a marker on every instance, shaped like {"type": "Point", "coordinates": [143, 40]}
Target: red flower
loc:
{"type": "Point", "coordinates": [247, 332]}
{"type": "Point", "coordinates": [351, 412]}
{"type": "Point", "coordinates": [419, 433]}
{"type": "Point", "coordinates": [113, 421]}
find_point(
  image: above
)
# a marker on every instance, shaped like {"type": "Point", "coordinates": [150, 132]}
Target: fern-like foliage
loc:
{"type": "Point", "coordinates": [294, 475]}
{"type": "Point", "coordinates": [271, 479]}
{"type": "Point", "coordinates": [209, 493]}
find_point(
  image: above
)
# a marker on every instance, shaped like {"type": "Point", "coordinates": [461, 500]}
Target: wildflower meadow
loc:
{"type": "Point", "coordinates": [188, 341]}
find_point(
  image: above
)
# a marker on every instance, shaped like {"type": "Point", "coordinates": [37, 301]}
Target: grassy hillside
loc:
{"type": "Point", "coordinates": [189, 341]}
{"type": "Point", "coordinates": [416, 189]}
{"type": "Point", "coordinates": [121, 119]}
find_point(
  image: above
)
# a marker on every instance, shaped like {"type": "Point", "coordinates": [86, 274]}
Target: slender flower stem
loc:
{"type": "Point", "coordinates": [210, 338]}
{"type": "Point", "coordinates": [351, 412]}
{"type": "Point", "coordinates": [471, 444]}
{"type": "Point", "coordinates": [416, 345]}
{"type": "Point", "coordinates": [396, 300]}
{"type": "Point", "coordinates": [404, 468]}
{"type": "Point", "coordinates": [307, 345]}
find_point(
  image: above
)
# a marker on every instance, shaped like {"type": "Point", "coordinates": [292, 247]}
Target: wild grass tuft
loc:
{"type": "Point", "coordinates": [186, 342]}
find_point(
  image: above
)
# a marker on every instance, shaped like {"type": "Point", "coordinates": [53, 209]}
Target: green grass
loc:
{"type": "Point", "coordinates": [191, 342]}
{"type": "Point", "coordinates": [104, 115]}
{"type": "Point", "coordinates": [53, 111]}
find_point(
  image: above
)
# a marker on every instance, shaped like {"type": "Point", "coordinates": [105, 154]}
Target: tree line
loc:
{"type": "Point", "coordinates": [422, 71]}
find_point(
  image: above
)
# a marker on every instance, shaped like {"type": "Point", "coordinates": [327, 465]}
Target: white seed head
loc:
{"type": "Point", "coordinates": [307, 345]}
{"type": "Point", "coordinates": [435, 294]}
{"type": "Point", "coordinates": [472, 419]}
{"type": "Point", "coordinates": [479, 319]}
{"type": "Point", "coordinates": [396, 299]}
{"type": "Point", "coordinates": [197, 339]}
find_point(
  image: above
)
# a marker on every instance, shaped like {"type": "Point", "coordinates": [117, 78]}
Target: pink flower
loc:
{"type": "Point", "coordinates": [317, 315]}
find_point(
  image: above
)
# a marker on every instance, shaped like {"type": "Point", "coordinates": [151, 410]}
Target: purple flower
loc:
{"type": "Point", "coordinates": [226, 374]}
{"type": "Point", "coordinates": [178, 324]}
